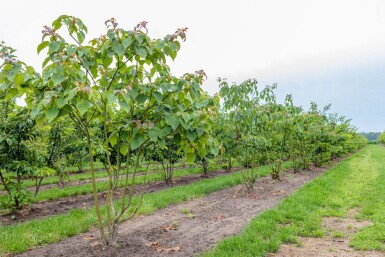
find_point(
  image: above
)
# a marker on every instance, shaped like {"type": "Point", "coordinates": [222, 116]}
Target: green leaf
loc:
{"type": "Point", "coordinates": [107, 61]}
{"type": "Point", "coordinates": [111, 34]}
{"type": "Point", "coordinates": [11, 94]}
{"type": "Point", "coordinates": [173, 46]}
{"type": "Point", "coordinates": [59, 102]}
{"type": "Point", "coordinates": [126, 42]}
{"type": "Point", "coordinates": [153, 135]}
{"type": "Point", "coordinates": [160, 44]}
{"type": "Point", "coordinates": [124, 149]}
{"type": "Point", "coordinates": [167, 50]}
{"type": "Point", "coordinates": [134, 92]}
{"type": "Point", "coordinates": [177, 139]}
{"type": "Point", "coordinates": [94, 71]}
{"type": "Point", "coordinates": [46, 60]}
{"type": "Point", "coordinates": [191, 135]}
{"type": "Point", "coordinates": [19, 79]}
{"type": "Point", "coordinates": [111, 98]}
{"type": "Point", "coordinates": [141, 51]}
{"type": "Point", "coordinates": [124, 106]}
{"type": "Point", "coordinates": [7, 67]}
{"type": "Point", "coordinates": [57, 78]}
{"type": "Point", "coordinates": [70, 50]}
{"type": "Point", "coordinates": [172, 121]}
{"type": "Point", "coordinates": [52, 113]}
{"type": "Point", "coordinates": [113, 140]}
{"type": "Point", "coordinates": [41, 46]}
{"type": "Point", "coordinates": [54, 46]}
{"type": "Point", "coordinates": [190, 158]}
{"type": "Point", "coordinates": [57, 24]}
{"type": "Point", "coordinates": [124, 135]}
{"type": "Point", "coordinates": [173, 55]}
{"type": "Point", "coordinates": [118, 49]}
{"type": "Point", "coordinates": [141, 98]}
{"type": "Point", "coordinates": [214, 151]}
{"type": "Point", "coordinates": [137, 141]}
{"type": "Point", "coordinates": [83, 105]}
{"type": "Point", "coordinates": [139, 37]}
{"type": "Point", "coordinates": [81, 36]}
{"type": "Point", "coordinates": [158, 96]}
{"type": "Point", "coordinates": [30, 69]}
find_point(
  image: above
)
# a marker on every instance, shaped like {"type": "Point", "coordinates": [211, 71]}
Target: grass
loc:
{"type": "Point", "coordinates": [21, 237]}
{"type": "Point", "coordinates": [80, 176]}
{"type": "Point", "coordinates": [57, 193]}
{"type": "Point", "coordinates": [357, 182]}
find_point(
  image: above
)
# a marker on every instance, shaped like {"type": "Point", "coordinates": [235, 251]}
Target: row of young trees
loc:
{"type": "Point", "coordinates": [257, 130]}
{"type": "Point", "coordinates": [381, 138]}
{"type": "Point", "coordinates": [114, 99]}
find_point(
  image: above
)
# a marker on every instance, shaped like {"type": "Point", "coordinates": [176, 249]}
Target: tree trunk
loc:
{"type": "Point", "coordinates": [18, 189]}
{"type": "Point", "coordinates": [94, 191]}
{"type": "Point", "coordinates": [113, 237]}
{"type": "Point", "coordinates": [230, 164]}
{"type": "Point", "coordinates": [205, 167]}
{"type": "Point", "coordinates": [38, 184]}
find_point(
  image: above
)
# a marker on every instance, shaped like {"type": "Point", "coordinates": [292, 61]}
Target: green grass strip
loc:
{"type": "Point", "coordinates": [81, 176]}
{"type": "Point", "coordinates": [21, 237]}
{"type": "Point", "coordinates": [355, 182]}
{"type": "Point", "coordinates": [57, 193]}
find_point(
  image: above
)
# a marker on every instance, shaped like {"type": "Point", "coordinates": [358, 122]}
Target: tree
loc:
{"type": "Point", "coordinates": [123, 70]}
{"type": "Point", "coordinates": [244, 111]}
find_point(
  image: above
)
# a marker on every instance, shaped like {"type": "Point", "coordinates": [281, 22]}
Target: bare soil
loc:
{"type": "Point", "coordinates": [63, 205]}
{"type": "Point", "coordinates": [188, 228]}
{"type": "Point", "coordinates": [335, 243]}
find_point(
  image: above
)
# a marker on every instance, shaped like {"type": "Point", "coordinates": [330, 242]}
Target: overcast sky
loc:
{"type": "Point", "coordinates": [322, 51]}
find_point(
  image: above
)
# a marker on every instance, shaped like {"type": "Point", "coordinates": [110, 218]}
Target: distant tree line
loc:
{"type": "Point", "coordinates": [371, 135]}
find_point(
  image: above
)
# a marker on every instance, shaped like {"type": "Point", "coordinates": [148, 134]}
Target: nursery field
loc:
{"type": "Point", "coordinates": [336, 210]}
{"type": "Point", "coordinates": [113, 155]}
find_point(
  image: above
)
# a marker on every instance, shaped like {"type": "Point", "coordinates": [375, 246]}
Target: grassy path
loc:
{"type": "Point", "coordinates": [83, 189]}
{"type": "Point", "coordinates": [99, 173]}
{"type": "Point", "coordinates": [358, 182]}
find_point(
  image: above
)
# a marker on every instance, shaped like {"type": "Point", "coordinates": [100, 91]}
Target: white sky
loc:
{"type": "Point", "coordinates": [289, 42]}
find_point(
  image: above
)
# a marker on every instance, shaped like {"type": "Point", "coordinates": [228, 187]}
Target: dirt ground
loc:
{"type": "Point", "coordinates": [63, 205]}
{"type": "Point", "coordinates": [334, 244]}
{"type": "Point", "coordinates": [185, 229]}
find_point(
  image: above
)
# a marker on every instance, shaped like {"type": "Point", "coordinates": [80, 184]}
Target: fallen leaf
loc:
{"type": "Point", "coordinates": [171, 227]}
{"type": "Point", "coordinates": [254, 197]}
{"type": "Point", "coordinates": [153, 244]}
{"type": "Point", "coordinates": [160, 249]}
{"type": "Point", "coordinates": [172, 249]}
{"type": "Point", "coordinates": [279, 192]}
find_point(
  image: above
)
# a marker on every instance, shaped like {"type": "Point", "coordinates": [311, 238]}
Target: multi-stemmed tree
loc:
{"type": "Point", "coordinates": [247, 122]}
{"type": "Point", "coordinates": [122, 71]}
